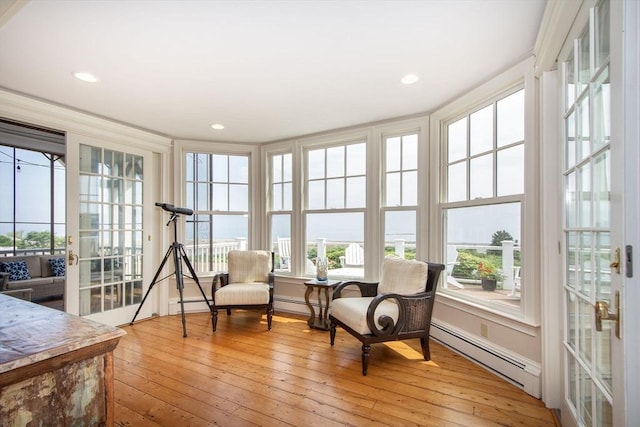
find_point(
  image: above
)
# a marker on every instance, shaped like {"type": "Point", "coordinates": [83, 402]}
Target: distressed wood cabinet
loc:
{"type": "Point", "coordinates": [55, 368]}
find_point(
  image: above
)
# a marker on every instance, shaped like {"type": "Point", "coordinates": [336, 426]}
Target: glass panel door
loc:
{"type": "Point", "coordinates": [106, 230]}
{"type": "Point", "coordinates": [110, 255]}
{"type": "Point", "coordinates": [590, 228]}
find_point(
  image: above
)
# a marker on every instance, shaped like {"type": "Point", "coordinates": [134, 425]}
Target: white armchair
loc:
{"type": "Point", "coordinates": [248, 284]}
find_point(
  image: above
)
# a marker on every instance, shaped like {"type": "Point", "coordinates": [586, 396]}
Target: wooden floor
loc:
{"type": "Point", "coordinates": [245, 376]}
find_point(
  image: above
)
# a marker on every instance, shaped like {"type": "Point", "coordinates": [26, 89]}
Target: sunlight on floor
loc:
{"type": "Point", "coordinates": [284, 319]}
{"type": "Point", "coordinates": [404, 350]}
{"type": "Point", "coordinates": [408, 352]}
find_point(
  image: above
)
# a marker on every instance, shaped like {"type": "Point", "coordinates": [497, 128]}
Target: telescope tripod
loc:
{"type": "Point", "coordinates": [177, 250]}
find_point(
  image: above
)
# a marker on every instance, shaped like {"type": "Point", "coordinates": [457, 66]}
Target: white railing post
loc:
{"type": "Point", "coordinates": [399, 243]}
{"type": "Point", "coordinates": [242, 243]}
{"type": "Point", "coordinates": [507, 264]}
{"type": "Point", "coordinates": [321, 248]}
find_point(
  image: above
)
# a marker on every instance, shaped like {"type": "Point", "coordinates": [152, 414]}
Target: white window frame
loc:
{"type": "Point", "coordinates": [256, 222]}
{"type": "Point", "coordinates": [402, 207]}
{"type": "Point", "coordinates": [521, 74]}
{"type": "Point", "coordinates": [328, 144]}
{"type": "Point", "coordinates": [272, 211]}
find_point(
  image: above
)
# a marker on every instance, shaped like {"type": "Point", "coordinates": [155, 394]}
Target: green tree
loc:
{"type": "Point", "coordinates": [499, 236]}
{"type": "Point", "coordinates": [6, 240]}
{"type": "Point", "coordinates": [37, 239]}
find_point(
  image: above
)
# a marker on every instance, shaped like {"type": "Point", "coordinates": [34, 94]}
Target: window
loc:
{"type": "Point", "coordinates": [400, 195]}
{"type": "Point", "coordinates": [217, 189]}
{"type": "Point", "coordinates": [27, 226]}
{"type": "Point", "coordinates": [483, 202]}
{"type": "Point", "coordinates": [281, 196]}
{"type": "Point", "coordinates": [335, 207]}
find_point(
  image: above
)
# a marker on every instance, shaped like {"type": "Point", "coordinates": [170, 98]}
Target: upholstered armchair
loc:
{"type": "Point", "coordinates": [397, 307]}
{"type": "Point", "coordinates": [248, 284]}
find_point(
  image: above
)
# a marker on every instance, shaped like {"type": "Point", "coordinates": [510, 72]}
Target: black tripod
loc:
{"type": "Point", "coordinates": [179, 255]}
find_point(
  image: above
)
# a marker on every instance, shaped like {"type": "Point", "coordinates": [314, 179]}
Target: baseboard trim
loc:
{"type": "Point", "coordinates": [191, 305]}
{"type": "Point", "coordinates": [197, 305]}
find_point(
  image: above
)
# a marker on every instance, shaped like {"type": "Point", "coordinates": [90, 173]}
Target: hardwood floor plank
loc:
{"type": "Point", "coordinates": [406, 378]}
{"type": "Point", "coordinates": [252, 379]}
{"type": "Point", "coordinates": [153, 408]}
{"type": "Point", "coordinates": [305, 379]}
{"type": "Point", "coordinates": [245, 375]}
{"type": "Point", "coordinates": [127, 417]}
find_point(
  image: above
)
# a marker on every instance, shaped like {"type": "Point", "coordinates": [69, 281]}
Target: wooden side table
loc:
{"type": "Point", "coordinates": [322, 320]}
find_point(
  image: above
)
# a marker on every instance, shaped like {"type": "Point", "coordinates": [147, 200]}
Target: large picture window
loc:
{"type": "Point", "coordinates": [483, 202]}
{"type": "Point", "coordinates": [335, 207]}
{"type": "Point", "coordinates": [217, 189]}
{"type": "Point", "coordinates": [27, 227]}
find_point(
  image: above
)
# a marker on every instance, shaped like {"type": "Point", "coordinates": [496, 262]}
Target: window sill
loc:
{"type": "Point", "coordinates": [511, 319]}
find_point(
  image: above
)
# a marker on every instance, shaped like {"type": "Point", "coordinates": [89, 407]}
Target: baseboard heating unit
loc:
{"type": "Point", "coordinates": [518, 370]}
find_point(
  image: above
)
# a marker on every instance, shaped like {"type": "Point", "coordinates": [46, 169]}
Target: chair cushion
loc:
{"type": "Point", "coordinates": [353, 312]}
{"type": "Point", "coordinates": [249, 266]}
{"type": "Point", "coordinates": [17, 270]}
{"type": "Point", "coordinates": [404, 277]}
{"type": "Point", "coordinates": [243, 294]}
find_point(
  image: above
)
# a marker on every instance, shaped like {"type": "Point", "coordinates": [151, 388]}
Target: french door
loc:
{"type": "Point", "coordinates": [592, 173]}
{"type": "Point", "coordinates": [106, 245]}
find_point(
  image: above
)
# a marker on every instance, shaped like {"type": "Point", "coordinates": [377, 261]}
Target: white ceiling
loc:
{"type": "Point", "coordinates": [267, 70]}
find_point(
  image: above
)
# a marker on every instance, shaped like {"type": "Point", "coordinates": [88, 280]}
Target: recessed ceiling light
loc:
{"type": "Point", "coordinates": [86, 77]}
{"type": "Point", "coordinates": [217, 126]}
{"type": "Point", "coordinates": [410, 79]}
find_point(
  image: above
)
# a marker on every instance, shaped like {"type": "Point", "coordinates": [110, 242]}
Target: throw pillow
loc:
{"type": "Point", "coordinates": [17, 270]}
{"type": "Point", "coordinates": [57, 266]}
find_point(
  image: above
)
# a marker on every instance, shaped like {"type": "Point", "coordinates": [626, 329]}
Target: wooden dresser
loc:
{"type": "Point", "coordinates": [55, 368]}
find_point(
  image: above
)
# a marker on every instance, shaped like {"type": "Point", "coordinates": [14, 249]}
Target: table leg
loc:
{"type": "Point", "coordinates": [326, 308]}
{"type": "Point", "coordinates": [312, 317]}
{"type": "Point", "coordinates": [320, 318]}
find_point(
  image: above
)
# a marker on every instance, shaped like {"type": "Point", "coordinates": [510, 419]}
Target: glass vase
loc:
{"type": "Point", "coordinates": [321, 270]}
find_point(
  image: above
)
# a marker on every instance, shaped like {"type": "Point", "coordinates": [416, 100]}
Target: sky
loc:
{"type": "Point", "coordinates": [465, 225]}
{"type": "Point", "coordinates": [32, 183]}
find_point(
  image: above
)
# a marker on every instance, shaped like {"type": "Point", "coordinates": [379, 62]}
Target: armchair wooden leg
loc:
{"type": "Point", "coordinates": [365, 358]}
{"type": "Point", "coordinates": [424, 343]}
{"type": "Point", "coordinates": [214, 319]}
{"type": "Point", "coordinates": [332, 332]}
{"type": "Point", "coordinates": [269, 317]}
{"type": "Point", "coordinates": [228, 312]}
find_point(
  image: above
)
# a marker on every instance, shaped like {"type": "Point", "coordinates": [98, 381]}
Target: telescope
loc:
{"type": "Point", "coordinates": [171, 208]}
{"type": "Point", "coordinates": [179, 256]}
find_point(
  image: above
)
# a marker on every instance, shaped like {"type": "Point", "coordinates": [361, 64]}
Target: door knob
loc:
{"type": "Point", "coordinates": [602, 313]}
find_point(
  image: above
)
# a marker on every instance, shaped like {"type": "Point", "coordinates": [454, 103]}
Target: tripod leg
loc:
{"type": "Point", "coordinates": [153, 282]}
{"type": "Point", "coordinates": [194, 276]}
{"type": "Point", "coordinates": [214, 315]}
{"type": "Point", "coordinates": [179, 283]}
{"type": "Point", "coordinates": [184, 320]}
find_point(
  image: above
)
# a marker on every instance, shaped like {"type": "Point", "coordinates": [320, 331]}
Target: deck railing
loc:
{"type": "Point", "coordinates": [508, 266]}
{"type": "Point", "coordinates": [31, 251]}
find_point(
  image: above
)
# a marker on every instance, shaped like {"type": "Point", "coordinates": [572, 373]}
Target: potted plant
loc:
{"type": "Point", "coordinates": [488, 275]}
